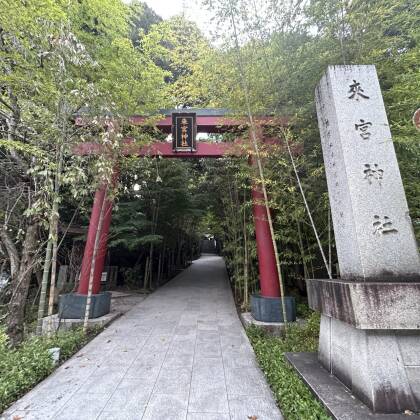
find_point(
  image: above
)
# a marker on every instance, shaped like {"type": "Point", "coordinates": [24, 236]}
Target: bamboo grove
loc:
{"type": "Point", "coordinates": [106, 58]}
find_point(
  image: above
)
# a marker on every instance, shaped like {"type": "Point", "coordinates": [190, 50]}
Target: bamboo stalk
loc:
{"type": "Point", "coordinates": [146, 274]}
{"type": "Point", "coordinates": [286, 135]}
{"type": "Point", "coordinates": [55, 241]}
{"type": "Point", "coordinates": [52, 285]}
{"type": "Point", "coordinates": [259, 164]}
{"type": "Point", "coordinates": [44, 286]}
{"type": "Point", "coordinates": [51, 248]}
{"type": "Point", "coordinates": [245, 258]}
{"type": "Point", "coordinates": [159, 268]}
{"type": "Point", "coordinates": [151, 265]}
{"type": "Point", "coordinates": [302, 251]}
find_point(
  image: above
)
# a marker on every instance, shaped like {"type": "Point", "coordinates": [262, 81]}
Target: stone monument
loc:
{"type": "Point", "coordinates": [370, 322]}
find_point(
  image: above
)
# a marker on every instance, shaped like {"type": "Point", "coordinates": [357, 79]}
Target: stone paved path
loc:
{"type": "Point", "coordinates": [180, 354]}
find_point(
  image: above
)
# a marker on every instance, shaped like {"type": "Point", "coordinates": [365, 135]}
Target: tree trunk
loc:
{"type": "Point", "coordinates": [151, 267]}
{"type": "Point", "coordinates": [159, 269]}
{"type": "Point", "coordinates": [20, 286]}
{"type": "Point", "coordinates": [11, 250]}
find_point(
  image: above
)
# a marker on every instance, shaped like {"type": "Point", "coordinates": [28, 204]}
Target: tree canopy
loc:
{"type": "Point", "coordinates": [108, 60]}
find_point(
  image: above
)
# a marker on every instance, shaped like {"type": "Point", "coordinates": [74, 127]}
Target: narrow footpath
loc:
{"type": "Point", "coordinates": [179, 354]}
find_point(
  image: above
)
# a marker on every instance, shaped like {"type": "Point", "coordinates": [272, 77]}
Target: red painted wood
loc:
{"type": "Point", "coordinates": [164, 149]}
{"type": "Point", "coordinates": [102, 247]}
{"type": "Point", "coordinates": [269, 281]}
{"type": "Point", "coordinates": [205, 124]}
{"type": "Point", "coordinates": [90, 242]}
{"type": "Point", "coordinates": [204, 149]}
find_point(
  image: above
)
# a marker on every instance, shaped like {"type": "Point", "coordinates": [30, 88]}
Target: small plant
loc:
{"type": "Point", "coordinates": [22, 367]}
{"type": "Point", "coordinates": [292, 395]}
{"type": "Point", "coordinates": [133, 276]}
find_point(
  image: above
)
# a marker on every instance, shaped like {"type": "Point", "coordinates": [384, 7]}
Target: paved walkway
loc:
{"type": "Point", "coordinates": [180, 354]}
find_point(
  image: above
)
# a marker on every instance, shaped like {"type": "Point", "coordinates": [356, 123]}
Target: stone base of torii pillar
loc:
{"type": "Point", "coordinates": [73, 305]}
{"type": "Point", "coordinates": [370, 318]}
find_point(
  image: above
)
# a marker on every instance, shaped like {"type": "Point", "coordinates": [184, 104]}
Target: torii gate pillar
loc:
{"type": "Point", "coordinates": [73, 305]}
{"type": "Point", "coordinates": [85, 270]}
{"type": "Point", "coordinates": [269, 280]}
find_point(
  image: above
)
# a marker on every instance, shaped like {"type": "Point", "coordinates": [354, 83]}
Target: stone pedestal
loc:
{"type": "Point", "coordinates": [73, 305]}
{"type": "Point", "coordinates": [367, 305]}
{"type": "Point", "coordinates": [380, 367]}
{"type": "Point", "coordinates": [370, 340]}
{"type": "Point", "coordinates": [54, 323]}
{"type": "Point", "coordinates": [275, 329]}
{"type": "Point", "coordinates": [270, 309]}
{"type": "Point", "coordinates": [370, 323]}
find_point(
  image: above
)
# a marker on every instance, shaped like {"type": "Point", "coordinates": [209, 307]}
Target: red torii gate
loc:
{"type": "Point", "coordinates": [208, 121]}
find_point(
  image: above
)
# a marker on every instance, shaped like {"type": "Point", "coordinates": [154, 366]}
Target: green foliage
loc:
{"type": "Point", "coordinates": [21, 147]}
{"type": "Point", "coordinates": [158, 202]}
{"type": "Point", "coordinates": [133, 276]}
{"type": "Point", "coordinates": [141, 20]}
{"type": "Point", "coordinates": [96, 57]}
{"type": "Point", "coordinates": [157, 216]}
{"type": "Point", "coordinates": [294, 398]}
{"type": "Point", "coordinates": [178, 46]}
{"type": "Point", "coordinates": [59, 59]}
{"type": "Point", "coordinates": [283, 49]}
{"type": "Point", "coordinates": [23, 367]}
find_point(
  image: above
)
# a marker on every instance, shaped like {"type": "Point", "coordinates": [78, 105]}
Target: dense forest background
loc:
{"type": "Point", "coordinates": [111, 60]}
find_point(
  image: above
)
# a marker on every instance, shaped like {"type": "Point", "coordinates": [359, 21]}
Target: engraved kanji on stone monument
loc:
{"type": "Point", "coordinates": [356, 91]}
{"type": "Point", "coordinates": [383, 225]}
{"type": "Point", "coordinates": [372, 172]}
{"type": "Point", "coordinates": [363, 127]}
{"type": "Point", "coordinates": [373, 230]}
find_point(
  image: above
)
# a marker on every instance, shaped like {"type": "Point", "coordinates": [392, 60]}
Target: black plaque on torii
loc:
{"type": "Point", "coordinates": [184, 131]}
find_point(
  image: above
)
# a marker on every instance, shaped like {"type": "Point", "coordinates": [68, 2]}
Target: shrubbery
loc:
{"type": "Point", "coordinates": [294, 398]}
{"type": "Point", "coordinates": [23, 367]}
